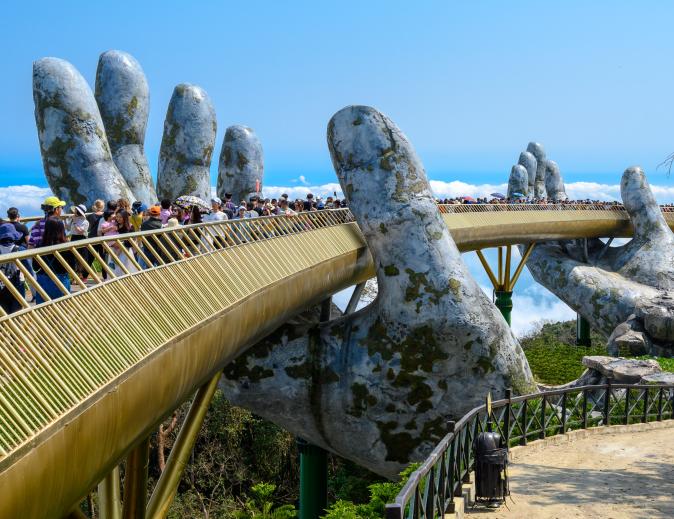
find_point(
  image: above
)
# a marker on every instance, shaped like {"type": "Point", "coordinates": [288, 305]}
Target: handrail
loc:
{"type": "Point", "coordinates": [124, 254]}
{"type": "Point", "coordinates": [429, 492]}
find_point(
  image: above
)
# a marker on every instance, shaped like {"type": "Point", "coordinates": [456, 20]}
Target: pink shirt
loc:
{"type": "Point", "coordinates": [164, 214]}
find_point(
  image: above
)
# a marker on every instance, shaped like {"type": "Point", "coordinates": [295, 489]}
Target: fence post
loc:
{"type": "Point", "coordinates": [523, 441]}
{"type": "Point", "coordinates": [584, 408]}
{"type": "Point", "coordinates": [451, 466]}
{"type": "Point", "coordinates": [627, 406]}
{"type": "Point", "coordinates": [542, 435]}
{"type": "Point", "coordinates": [393, 511]}
{"type": "Point", "coordinates": [660, 404]}
{"type": "Point", "coordinates": [564, 412]}
{"type": "Point", "coordinates": [506, 421]}
{"type": "Point", "coordinates": [607, 400]}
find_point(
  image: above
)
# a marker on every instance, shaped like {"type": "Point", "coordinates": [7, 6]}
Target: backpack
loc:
{"type": "Point", "coordinates": [11, 271]}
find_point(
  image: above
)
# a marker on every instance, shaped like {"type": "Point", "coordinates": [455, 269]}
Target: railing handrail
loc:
{"type": "Point", "coordinates": [169, 244]}
{"type": "Point", "coordinates": [411, 488]}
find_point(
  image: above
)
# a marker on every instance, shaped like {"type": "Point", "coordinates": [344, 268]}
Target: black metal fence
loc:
{"type": "Point", "coordinates": [430, 490]}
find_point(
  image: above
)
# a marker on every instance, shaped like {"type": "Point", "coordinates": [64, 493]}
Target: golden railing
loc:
{"type": "Point", "coordinates": [48, 365]}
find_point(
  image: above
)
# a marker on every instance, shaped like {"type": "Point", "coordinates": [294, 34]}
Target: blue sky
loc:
{"type": "Point", "coordinates": [470, 83]}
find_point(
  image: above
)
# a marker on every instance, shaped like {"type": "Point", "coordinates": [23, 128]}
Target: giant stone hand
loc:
{"type": "Point", "coordinates": [624, 292]}
{"type": "Point", "coordinates": [92, 147]}
{"type": "Point", "coordinates": [378, 386]}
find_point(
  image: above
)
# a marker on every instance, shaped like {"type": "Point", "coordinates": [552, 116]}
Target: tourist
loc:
{"type": "Point", "coordinates": [78, 223]}
{"type": "Point", "coordinates": [78, 226]}
{"type": "Point", "coordinates": [166, 212]}
{"type": "Point", "coordinates": [152, 223]}
{"type": "Point", "coordinates": [9, 236]}
{"type": "Point", "coordinates": [137, 215]}
{"type": "Point", "coordinates": [15, 219]}
{"type": "Point", "coordinates": [108, 224]}
{"type": "Point", "coordinates": [123, 249]}
{"type": "Point", "coordinates": [54, 234]}
{"type": "Point", "coordinates": [52, 208]}
{"type": "Point", "coordinates": [94, 217]}
{"type": "Point", "coordinates": [216, 214]}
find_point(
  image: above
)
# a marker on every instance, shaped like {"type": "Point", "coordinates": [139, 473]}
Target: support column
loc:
{"type": "Point", "coordinates": [313, 480]}
{"type": "Point", "coordinates": [314, 463]}
{"type": "Point", "coordinates": [504, 302]}
{"type": "Point", "coordinates": [582, 331]}
{"type": "Point", "coordinates": [167, 486]}
{"type": "Point", "coordinates": [109, 496]}
{"type": "Point", "coordinates": [135, 481]}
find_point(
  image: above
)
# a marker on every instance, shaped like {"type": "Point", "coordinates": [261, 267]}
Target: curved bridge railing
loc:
{"type": "Point", "coordinates": [429, 493]}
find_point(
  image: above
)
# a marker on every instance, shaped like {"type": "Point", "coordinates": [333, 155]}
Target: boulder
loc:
{"type": "Point", "coordinates": [663, 378]}
{"type": "Point", "coordinates": [621, 370]}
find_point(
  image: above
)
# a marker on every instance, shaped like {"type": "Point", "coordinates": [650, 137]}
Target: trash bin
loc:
{"type": "Point", "coordinates": [491, 469]}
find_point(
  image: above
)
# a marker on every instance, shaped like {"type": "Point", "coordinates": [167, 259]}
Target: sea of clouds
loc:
{"type": "Point", "coordinates": [533, 304]}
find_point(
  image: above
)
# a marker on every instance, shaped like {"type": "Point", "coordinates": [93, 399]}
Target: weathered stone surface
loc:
{"type": "Point", "coordinates": [620, 370]}
{"type": "Point", "coordinates": [554, 184]}
{"type": "Point", "coordinates": [538, 151]}
{"type": "Point", "coordinates": [241, 166]}
{"type": "Point", "coordinates": [663, 378]}
{"type": "Point", "coordinates": [615, 283]}
{"type": "Point", "coordinates": [75, 152]}
{"type": "Point", "coordinates": [518, 182]}
{"type": "Point", "coordinates": [428, 348]}
{"type": "Point", "coordinates": [530, 163]}
{"type": "Point", "coordinates": [123, 98]}
{"type": "Point", "coordinates": [658, 318]}
{"type": "Point", "coordinates": [187, 144]}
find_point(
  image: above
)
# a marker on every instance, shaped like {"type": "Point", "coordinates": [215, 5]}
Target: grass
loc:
{"type": "Point", "coordinates": [555, 359]}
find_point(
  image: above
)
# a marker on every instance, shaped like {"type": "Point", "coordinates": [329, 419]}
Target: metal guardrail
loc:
{"type": "Point", "coordinates": [48, 366]}
{"type": "Point", "coordinates": [124, 254]}
{"type": "Point", "coordinates": [429, 493]}
{"type": "Point", "coordinates": [488, 208]}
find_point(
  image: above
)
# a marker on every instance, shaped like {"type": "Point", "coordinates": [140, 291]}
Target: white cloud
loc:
{"type": "Point", "coordinates": [295, 192]}
{"type": "Point", "coordinates": [26, 198]}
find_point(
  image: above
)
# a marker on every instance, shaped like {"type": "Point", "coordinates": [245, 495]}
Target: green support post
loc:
{"type": "Point", "coordinates": [504, 302]}
{"type": "Point", "coordinates": [313, 480]}
{"type": "Point", "coordinates": [582, 331]}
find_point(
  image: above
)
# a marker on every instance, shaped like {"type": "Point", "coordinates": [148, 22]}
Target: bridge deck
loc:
{"type": "Point", "coordinates": [85, 376]}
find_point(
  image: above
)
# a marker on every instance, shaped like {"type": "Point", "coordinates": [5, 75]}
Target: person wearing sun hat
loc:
{"type": "Point", "coordinates": [52, 208]}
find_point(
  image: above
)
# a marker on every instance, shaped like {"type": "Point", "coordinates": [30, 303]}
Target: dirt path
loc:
{"type": "Point", "coordinates": [620, 476]}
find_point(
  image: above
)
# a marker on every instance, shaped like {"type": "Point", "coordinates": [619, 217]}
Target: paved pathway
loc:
{"type": "Point", "coordinates": [628, 475]}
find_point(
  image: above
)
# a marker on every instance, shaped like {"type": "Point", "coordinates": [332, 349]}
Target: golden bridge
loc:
{"type": "Point", "coordinates": [88, 376]}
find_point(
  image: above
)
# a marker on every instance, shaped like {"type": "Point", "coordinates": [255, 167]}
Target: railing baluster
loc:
{"type": "Point", "coordinates": [607, 400]}
{"type": "Point", "coordinates": [584, 408]}
{"type": "Point", "coordinates": [542, 433]}
{"type": "Point", "coordinates": [627, 406]}
{"type": "Point", "coordinates": [644, 418]}
{"type": "Point", "coordinates": [660, 391]}
{"type": "Point", "coordinates": [564, 413]}
{"type": "Point", "coordinates": [506, 421]}
{"type": "Point", "coordinates": [523, 441]}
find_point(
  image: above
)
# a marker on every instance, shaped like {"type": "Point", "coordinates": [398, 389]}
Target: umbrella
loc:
{"type": "Point", "coordinates": [498, 195]}
{"type": "Point", "coordinates": [189, 201]}
{"type": "Point", "coordinates": [519, 195]}
{"type": "Point", "coordinates": [468, 198]}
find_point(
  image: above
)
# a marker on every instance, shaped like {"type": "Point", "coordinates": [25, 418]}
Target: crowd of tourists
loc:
{"type": "Point", "coordinates": [504, 201]}
{"type": "Point", "coordinates": [120, 217]}
{"type": "Point", "coordinates": [113, 218]}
